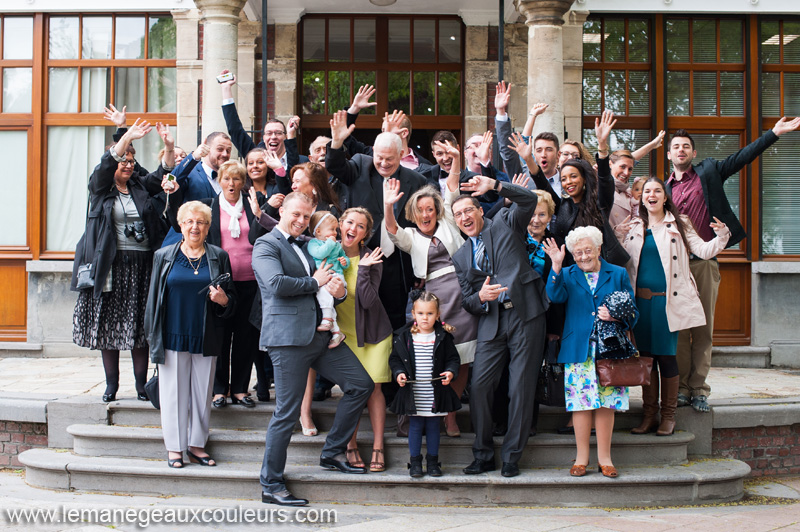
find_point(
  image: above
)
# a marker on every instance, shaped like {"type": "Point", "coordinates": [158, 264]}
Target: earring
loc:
{"type": "Point", "coordinates": [415, 323]}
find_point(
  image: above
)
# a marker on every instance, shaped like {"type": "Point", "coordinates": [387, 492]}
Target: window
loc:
{"type": "Point", "coordinates": [616, 76]}
{"type": "Point", "coordinates": [415, 62]}
{"type": "Point", "coordinates": [16, 63]}
{"type": "Point", "coordinates": [780, 96]}
{"type": "Point", "coordinates": [92, 60]}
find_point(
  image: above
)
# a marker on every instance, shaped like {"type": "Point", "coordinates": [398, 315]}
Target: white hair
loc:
{"type": "Point", "coordinates": [389, 140]}
{"type": "Point", "coordinates": [582, 233]}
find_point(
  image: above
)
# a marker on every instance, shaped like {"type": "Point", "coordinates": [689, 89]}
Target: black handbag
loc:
{"type": "Point", "coordinates": [550, 387]}
{"type": "Point", "coordinates": [151, 390]}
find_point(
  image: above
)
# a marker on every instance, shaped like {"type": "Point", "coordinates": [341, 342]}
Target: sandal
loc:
{"type": "Point", "coordinates": [375, 466]}
{"type": "Point", "coordinates": [608, 471]}
{"type": "Point", "coordinates": [700, 404]}
{"type": "Point", "coordinates": [326, 324]}
{"type": "Point", "coordinates": [337, 338]}
{"type": "Point", "coordinates": [202, 460]}
{"type": "Point", "coordinates": [683, 400]}
{"type": "Point", "coordinates": [577, 470]}
{"type": "Point", "coordinates": [175, 463]}
{"type": "Point", "coordinates": [357, 461]}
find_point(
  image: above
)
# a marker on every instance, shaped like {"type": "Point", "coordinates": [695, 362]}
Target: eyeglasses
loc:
{"type": "Point", "coordinates": [571, 155]}
{"type": "Point", "coordinates": [192, 223]}
{"type": "Point", "coordinates": [465, 212]}
{"type": "Point", "coordinates": [274, 133]}
{"type": "Point", "coordinates": [128, 162]}
{"type": "Point", "coordinates": [584, 252]}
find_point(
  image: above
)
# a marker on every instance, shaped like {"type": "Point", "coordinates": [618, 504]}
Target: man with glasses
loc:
{"type": "Point", "coordinates": [499, 285]}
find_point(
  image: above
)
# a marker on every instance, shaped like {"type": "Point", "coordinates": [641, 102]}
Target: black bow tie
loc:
{"type": "Point", "coordinates": [292, 240]}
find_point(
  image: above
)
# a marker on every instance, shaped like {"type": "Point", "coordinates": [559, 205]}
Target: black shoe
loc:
{"type": "Point", "coordinates": [434, 466]}
{"type": "Point", "coordinates": [108, 397]}
{"type": "Point", "coordinates": [142, 396]}
{"type": "Point", "coordinates": [220, 402]}
{"type": "Point", "coordinates": [566, 430]}
{"type": "Point", "coordinates": [342, 465]}
{"type": "Point", "coordinates": [499, 430]}
{"type": "Point", "coordinates": [202, 460]}
{"type": "Point", "coordinates": [509, 469]}
{"type": "Point", "coordinates": [480, 466]}
{"type": "Point", "coordinates": [415, 467]}
{"type": "Point", "coordinates": [283, 498]}
{"type": "Point", "coordinates": [245, 401]}
{"type": "Point", "coordinates": [263, 397]}
{"type": "Point", "coordinates": [321, 394]}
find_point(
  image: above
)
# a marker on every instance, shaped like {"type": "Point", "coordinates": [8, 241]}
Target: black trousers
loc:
{"type": "Point", "coordinates": [243, 338]}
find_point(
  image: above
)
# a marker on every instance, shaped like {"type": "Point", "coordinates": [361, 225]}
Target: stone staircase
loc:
{"type": "Point", "coordinates": [127, 456]}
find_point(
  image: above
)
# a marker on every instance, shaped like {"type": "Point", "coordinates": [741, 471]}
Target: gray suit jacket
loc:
{"type": "Point", "coordinates": [288, 293]}
{"type": "Point", "coordinates": [505, 239]}
{"type": "Point", "coordinates": [510, 157]}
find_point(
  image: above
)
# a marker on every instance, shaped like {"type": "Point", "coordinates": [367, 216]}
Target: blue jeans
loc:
{"type": "Point", "coordinates": [430, 426]}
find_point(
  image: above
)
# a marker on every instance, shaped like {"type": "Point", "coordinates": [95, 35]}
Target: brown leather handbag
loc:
{"type": "Point", "coordinates": [632, 371]}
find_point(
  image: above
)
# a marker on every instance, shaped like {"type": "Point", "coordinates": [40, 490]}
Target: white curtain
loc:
{"type": "Point", "coordinates": [14, 199]}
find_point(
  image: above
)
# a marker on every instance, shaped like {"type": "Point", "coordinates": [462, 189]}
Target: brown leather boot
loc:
{"type": "Point", "coordinates": [669, 404]}
{"type": "Point", "coordinates": [650, 406]}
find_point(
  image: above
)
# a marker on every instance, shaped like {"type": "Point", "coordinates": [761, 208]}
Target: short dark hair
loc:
{"type": "Point", "coordinates": [275, 121]}
{"type": "Point", "coordinates": [444, 136]}
{"type": "Point", "coordinates": [682, 133]}
{"type": "Point", "coordinates": [215, 135]}
{"type": "Point", "coordinates": [469, 197]}
{"type": "Point", "coordinates": [546, 135]}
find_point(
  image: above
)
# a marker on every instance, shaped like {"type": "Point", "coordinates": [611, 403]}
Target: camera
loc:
{"type": "Point", "coordinates": [135, 231]}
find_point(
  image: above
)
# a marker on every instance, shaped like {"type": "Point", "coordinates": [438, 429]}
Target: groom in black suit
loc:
{"type": "Point", "coordinates": [499, 285]}
{"type": "Point", "coordinates": [289, 280]}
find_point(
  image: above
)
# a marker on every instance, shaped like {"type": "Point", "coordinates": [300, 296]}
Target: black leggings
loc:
{"type": "Point", "coordinates": [111, 366]}
{"type": "Point", "coordinates": [667, 365]}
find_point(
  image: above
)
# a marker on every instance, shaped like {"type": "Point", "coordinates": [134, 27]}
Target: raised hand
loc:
{"type": "Point", "coordinates": [169, 186]}
{"type": "Point", "coordinates": [139, 129]}
{"type": "Point", "coordinates": [602, 128]}
{"type": "Point", "coordinates": [784, 125]}
{"type": "Point", "coordinates": [450, 150]}
{"type": "Point", "coordinates": [490, 292]}
{"type": "Point", "coordinates": [253, 199]}
{"type": "Point", "coordinates": [623, 227]}
{"type": "Point", "coordinates": [373, 257]}
{"type": "Point", "coordinates": [502, 97]}
{"type": "Point", "coordinates": [227, 86]}
{"type": "Point", "coordinates": [276, 200]}
{"type": "Point", "coordinates": [394, 121]}
{"type": "Point", "coordinates": [391, 193]}
{"type": "Point", "coordinates": [166, 136]}
{"type": "Point", "coordinates": [659, 140]}
{"type": "Point", "coordinates": [484, 151]}
{"type": "Point", "coordinates": [292, 127]}
{"type": "Point", "coordinates": [556, 254]}
{"type": "Point", "coordinates": [339, 129]}
{"type": "Point", "coordinates": [519, 145]}
{"type": "Point", "coordinates": [538, 109]}
{"type": "Point", "coordinates": [273, 161]}
{"type": "Point", "coordinates": [361, 99]}
{"type": "Point", "coordinates": [231, 82]}
{"type": "Point", "coordinates": [117, 117]}
{"type": "Point", "coordinates": [201, 151]}
{"type": "Point", "coordinates": [478, 185]}
{"type": "Point", "coordinates": [521, 179]}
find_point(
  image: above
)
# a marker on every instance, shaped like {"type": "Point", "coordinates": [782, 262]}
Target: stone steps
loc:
{"type": "Point", "coordinates": [692, 483]}
{"type": "Point", "coordinates": [543, 450]}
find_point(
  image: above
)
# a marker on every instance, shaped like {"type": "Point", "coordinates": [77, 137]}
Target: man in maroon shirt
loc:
{"type": "Point", "coordinates": [698, 192]}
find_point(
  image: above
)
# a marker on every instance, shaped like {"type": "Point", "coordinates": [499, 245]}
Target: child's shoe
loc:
{"type": "Point", "coordinates": [337, 338]}
{"type": "Point", "coordinates": [415, 467]}
{"type": "Point", "coordinates": [325, 325]}
{"type": "Point", "coordinates": [434, 468]}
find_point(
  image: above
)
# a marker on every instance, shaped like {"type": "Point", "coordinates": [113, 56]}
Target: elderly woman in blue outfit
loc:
{"type": "Point", "coordinates": [582, 287]}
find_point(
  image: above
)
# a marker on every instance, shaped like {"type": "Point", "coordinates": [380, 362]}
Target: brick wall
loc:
{"type": "Point", "coordinates": [17, 437]}
{"type": "Point", "coordinates": [767, 450]}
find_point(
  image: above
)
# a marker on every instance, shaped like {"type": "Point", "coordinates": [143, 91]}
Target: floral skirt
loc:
{"type": "Point", "coordinates": [583, 392]}
{"type": "Point", "coordinates": [116, 319]}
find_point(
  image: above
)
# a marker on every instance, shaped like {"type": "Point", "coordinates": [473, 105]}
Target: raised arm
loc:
{"type": "Point", "coordinates": [502, 125]}
{"type": "Point", "coordinates": [346, 171]}
{"type": "Point", "coordinates": [712, 248]}
{"type": "Point", "coordinates": [239, 136]}
{"type": "Point", "coordinates": [535, 111]}
{"type": "Point", "coordinates": [650, 146]}
{"type": "Point", "coordinates": [605, 181]}
{"type": "Point", "coordinates": [735, 162]}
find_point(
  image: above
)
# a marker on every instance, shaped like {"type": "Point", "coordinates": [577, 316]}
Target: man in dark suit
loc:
{"type": "Point", "coordinates": [366, 178]}
{"type": "Point", "coordinates": [698, 192]}
{"type": "Point", "coordinates": [200, 182]}
{"type": "Point", "coordinates": [499, 285]}
{"type": "Point", "coordinates": [288, 281]}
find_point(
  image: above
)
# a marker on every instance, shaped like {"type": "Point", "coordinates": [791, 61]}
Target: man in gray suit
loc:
{"type": "Point", "coordinates": [498, 284]}
{"type": "Point", "coordinates": [289, 281]}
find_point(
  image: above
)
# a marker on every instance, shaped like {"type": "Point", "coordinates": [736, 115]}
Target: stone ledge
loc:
{"type": "Point", "coordinates": [783, 267]}
{"type": "Point", "coordinates": [49, 266]}
{"type": "Point", "coordinates": [756, 415]}
{"type": "Point", "coordinates": [23, 410]}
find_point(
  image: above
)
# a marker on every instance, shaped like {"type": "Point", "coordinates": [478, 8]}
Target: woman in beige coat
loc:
{"type": "Point", "coordinates": [659, 244]}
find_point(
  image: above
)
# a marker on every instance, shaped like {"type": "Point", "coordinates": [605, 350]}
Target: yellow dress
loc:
{"type": "Point", "coordinates": [374, 357]}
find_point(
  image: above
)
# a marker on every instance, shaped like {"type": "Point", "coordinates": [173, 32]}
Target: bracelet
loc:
{"type": "Point", "coordinates": [116, 157]}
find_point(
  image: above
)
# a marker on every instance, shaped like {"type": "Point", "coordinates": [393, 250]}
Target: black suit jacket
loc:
{"type": "Point", "coordinates": [244, 143]}
{"type": "Point", "coordinates": [505, 239]}
{"type": "Point", "coordinates": [714, 173]}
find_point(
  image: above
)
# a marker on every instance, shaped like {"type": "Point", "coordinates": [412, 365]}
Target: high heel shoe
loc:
{"type": "Point", "coordinates": [110, 395]}
{"type": "Point", "coordinates": [175, 463]}
{"type": "Point", "coordinates": [608, 471]}
{"type": "Point", "coordinates": [577, 470]}
{"type": "Point", "coordinates": [310, 431]}
{"type": "Point", "coordinates": [202, 460]}
{"type": "Point", "coordinates": [245, 401]}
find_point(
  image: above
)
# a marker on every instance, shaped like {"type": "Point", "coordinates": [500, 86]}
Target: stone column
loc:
{"type": "Point", "coordinates": [573, 72]}
{"type": "Point", "coordinates": [546, 60]}
{"type": "Point", "coordinates": [245, 88]}
{"type": "Point", "coordinates": [220, 19]}
{"type": "Point", "coordinates": [189, 71]}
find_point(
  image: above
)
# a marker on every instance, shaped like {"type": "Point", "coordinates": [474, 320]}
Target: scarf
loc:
{"type": "Point", "coordinates": [235, 212]}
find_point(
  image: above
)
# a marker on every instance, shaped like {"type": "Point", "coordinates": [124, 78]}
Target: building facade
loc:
{"type": "Point", "coordinates": [725, 73]}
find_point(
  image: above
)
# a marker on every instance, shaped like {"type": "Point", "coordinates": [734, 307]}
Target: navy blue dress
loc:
{"type": "Point", "coordinates": [185, 306]}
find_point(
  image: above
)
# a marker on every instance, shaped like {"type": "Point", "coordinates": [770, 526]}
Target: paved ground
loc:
{"type": "Point", "coordinates": [50, 378]}
{"type": "Point", "coordinates": [778, 511]}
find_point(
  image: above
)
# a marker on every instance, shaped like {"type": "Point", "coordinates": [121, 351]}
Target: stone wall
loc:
{"type": "Point", "coordinates": [16, 437]}
{"type": "Point", "coordinates": [769, 451]}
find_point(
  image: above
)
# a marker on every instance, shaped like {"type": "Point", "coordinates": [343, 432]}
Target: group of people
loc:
{"type": "Point", "coordinates": [394, 277]}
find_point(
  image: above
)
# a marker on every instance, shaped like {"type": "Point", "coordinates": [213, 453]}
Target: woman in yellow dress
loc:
{"type": "Point", "coordinates": [367, 329]}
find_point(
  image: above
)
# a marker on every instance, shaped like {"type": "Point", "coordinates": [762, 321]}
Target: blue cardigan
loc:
{"type": "Point", "coordinates": [569, 286]}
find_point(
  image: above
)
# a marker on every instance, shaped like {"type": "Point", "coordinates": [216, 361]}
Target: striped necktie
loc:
{"type": "Point", "coordinates": [481, 260]}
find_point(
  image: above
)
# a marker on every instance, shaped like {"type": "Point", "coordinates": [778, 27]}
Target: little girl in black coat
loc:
{"type": "Point", "coordinates": [424, 352]}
